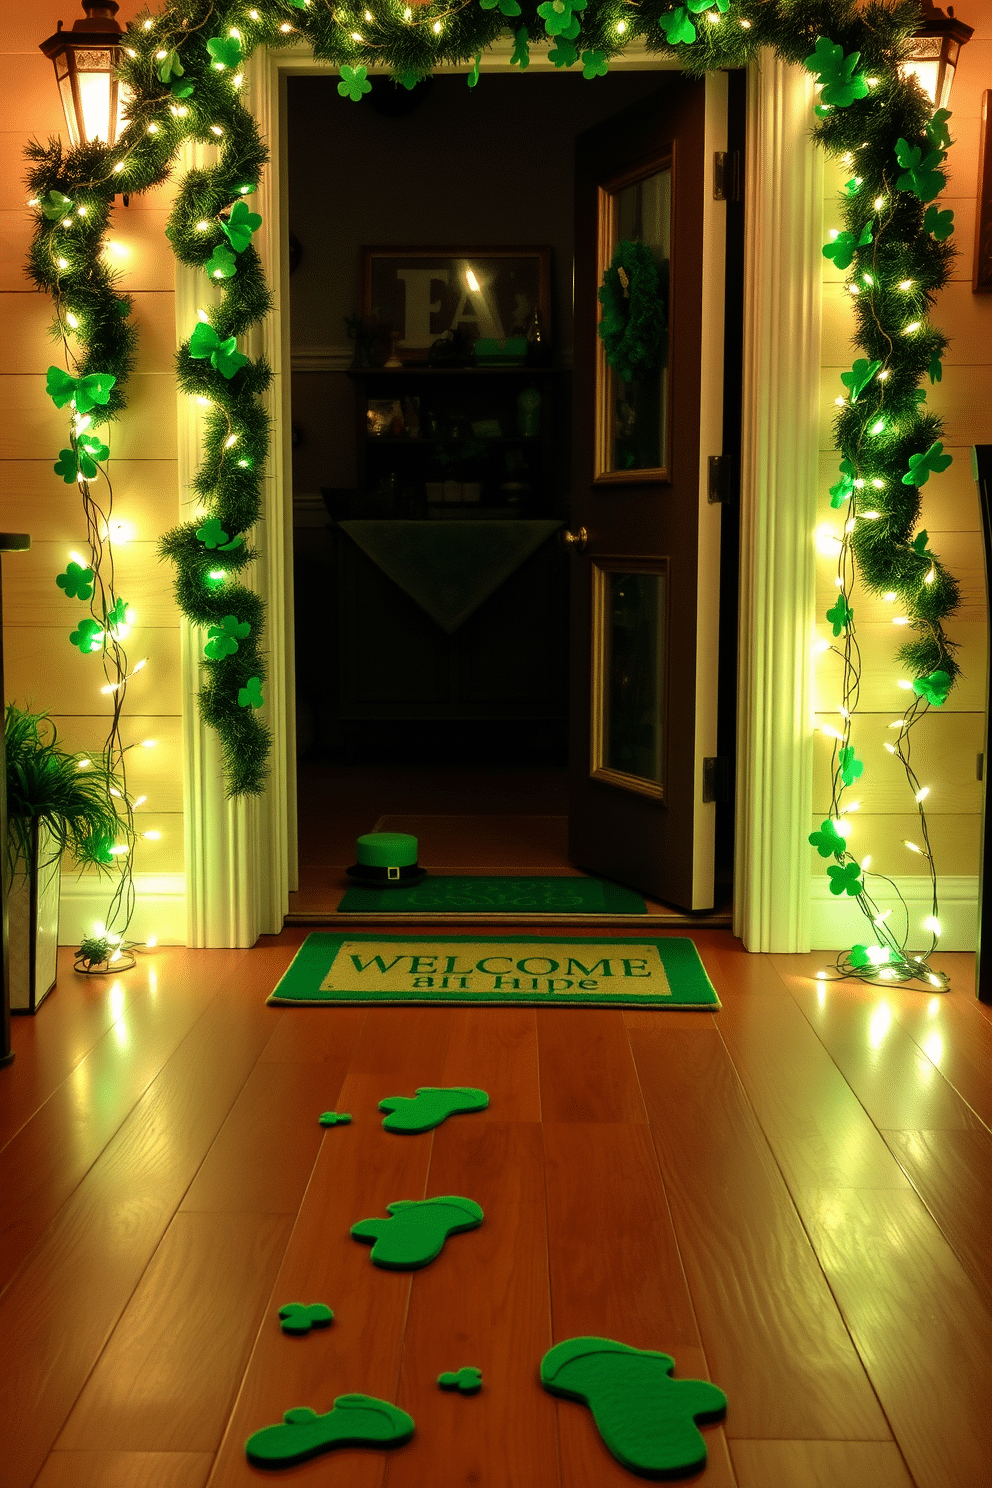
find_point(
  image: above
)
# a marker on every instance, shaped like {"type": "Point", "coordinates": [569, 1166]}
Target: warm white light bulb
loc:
{"type": "Point", "coordinates": [906, 284]}
{"type": "Point", "coordinates": [912, 846]}
{"type": "Point", "coordinates": [914, 325]}
{"type": "Point", "coordinates": [932, 924]}
{"type": "Point", "coordinates": [922, 793]}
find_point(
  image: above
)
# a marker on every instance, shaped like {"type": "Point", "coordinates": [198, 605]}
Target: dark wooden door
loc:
{"type": "Point", "coordinates": [645, 586]}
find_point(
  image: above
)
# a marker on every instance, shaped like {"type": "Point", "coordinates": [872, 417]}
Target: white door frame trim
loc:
{"type": "Point", "coordinates": [241, 856]}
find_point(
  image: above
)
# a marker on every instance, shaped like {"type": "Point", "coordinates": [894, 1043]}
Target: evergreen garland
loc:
{"type": "Point", "coordinates": [183, 67]}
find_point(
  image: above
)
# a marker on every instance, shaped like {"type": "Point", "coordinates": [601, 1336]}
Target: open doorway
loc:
{"type": "Point", "coordinates": [460, 737]}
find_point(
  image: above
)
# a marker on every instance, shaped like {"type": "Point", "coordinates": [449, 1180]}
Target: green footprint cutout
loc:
{"type": "Point", "coordinates": [299, 1318]}
{"type": "Point", "coordinates": [416, 1233]}
{"type": "Point", "coordinates": [646, 1419]}
{"type": "Point", "coordinates": [468, 1380]}
{"type": "Point", "coordinates": [431, 1105]}
{"type": "Point", "coordinates": [355, 1421]}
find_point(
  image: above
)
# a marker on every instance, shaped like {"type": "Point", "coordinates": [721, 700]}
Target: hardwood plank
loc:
{"type": "Point", "coordinates": [615, 1271]}
{"type": "Point", "coordinates": [485, 1302]}
{"type": "Point", "coordinates": [819, 1464]}
{"type": "Point", "coordinates": [125, 1470]}
{"type": "Point", "coordinates": [407, 1042]}
{"type": "Point", "coordinates": [67, 1297]}
{"type": "Point", "coordinates": [954, 1036]}
{"type": "Point", "coordinates": [952, 1173]}
{"type": "Point", "coordinates": [168, 1376]}
{"type": "Point", "coordinates": [587, 1073]}
{"type": "Point", "coordinates": [495, 1049]}
{"type": "Point", "coordinates": [309, 1035]}
{"type": "Point", "coordinates": [918, 1323]}
{"type": "Point", "coordinates": [785, 1359]}
{"type": "Point", "coordinates": [359, 1170]}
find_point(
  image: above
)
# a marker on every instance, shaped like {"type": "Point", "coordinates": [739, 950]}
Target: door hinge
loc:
{"type": "Point", "coordinates": [716, 778]}
{"type": "Point", "coordinates": [718, 480]}
{"type": "Point", "coordinates": [727, 175]}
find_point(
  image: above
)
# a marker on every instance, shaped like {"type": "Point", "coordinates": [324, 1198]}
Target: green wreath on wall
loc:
{"type": "Point", "coordinates": [635, 312]}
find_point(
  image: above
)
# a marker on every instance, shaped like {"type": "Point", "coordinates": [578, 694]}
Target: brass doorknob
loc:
{"type": "Point", "coordinates": [573, 542]}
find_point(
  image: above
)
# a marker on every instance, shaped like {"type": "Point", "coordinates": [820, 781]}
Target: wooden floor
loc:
{"type": "Point", "coordinates": [791, 1195]}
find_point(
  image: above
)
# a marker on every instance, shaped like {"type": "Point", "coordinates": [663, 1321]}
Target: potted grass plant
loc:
{"type": "Point", "coordinates": [58, 803]}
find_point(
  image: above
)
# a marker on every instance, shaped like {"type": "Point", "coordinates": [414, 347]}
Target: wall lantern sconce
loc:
{"type": "Point", "coordinates": [85, 61]}
{"type": "Point", "coordinates": [935, 47]}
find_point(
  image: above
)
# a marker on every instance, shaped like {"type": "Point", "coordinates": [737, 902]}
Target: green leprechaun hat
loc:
{"type": "Point", "coordinates": [387, 860]}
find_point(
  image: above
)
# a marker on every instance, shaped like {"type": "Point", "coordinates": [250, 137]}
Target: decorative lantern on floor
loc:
{"type": "Point", "coordinates": [85, 61]}
{"type": "Point", "coordinates": [935, 47]}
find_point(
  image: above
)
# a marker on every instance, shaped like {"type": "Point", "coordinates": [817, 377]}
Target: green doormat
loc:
{"type": "Point", "coordinates": [465, 894]}
{"type": "Point", "coordinates": [531, 970]}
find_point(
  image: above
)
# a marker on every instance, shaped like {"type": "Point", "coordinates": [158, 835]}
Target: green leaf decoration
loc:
{"type": "Point", "coordinates": [86, 392]}
{"type": "Point", "coordinates": [506, 7]}
{"type": "Point", "coordinates": [935, 370]}
{"type": "Point", "coordinates": [939, 223]}
{"type": "Point", "coordinates": [853, 186]}
{"type": "Point", "coordinates": [223, 638]}
{"type": "Point", "coordinates": [409, 80]}
{"type": "Point", "coordinates": [844, 488]}
{"type": "Point", "coordinates": [240, 225]}
{"type": "Point", "coordinates": [354, 83]}
{"type": "Point", "coordinates": [521, 50]}
{"type": "Point", "coordinates": [54, 205]}
{"type": "Point", "coordinates": [564, 54]}
{"type": "Point", "coordinates": [851, 768]}
{"type": "Point", "coordinates": [842, 248]}
{"type": "Point", "coordinates": [859, 956]}
{"type": "Point", "coordinates": [225, 51]}
{"type": "Point", "coordinates": [473, 76]}
{"type": "Point", "coordinates": [932, 460]}
{"type": "Point", "coordinates": [93, 447]}
{"type": "Point", "coordinates": [919, 543]}
{"type": "Point", "coordinates": [700, 5]}
{"type": "Point", "coordinates": [250, 696]}
{"type": "Point", "coordinates": [67, 466]}
{"type": "Point", "coordinates": [212, 535]}
{"type": "Point", "coordinates": [828, 841]}
{"type": "Point", "coordinates": [840, 614]}
{"type": "Point", "coordinates": [467, 1380]}
{"type": "Point", "coordinates": [678, 29]}
{"type": "Point", "coordinates": [77, 582]}
{"type": "Point", "coordinates": [937, 131]}
{"type": "Point", "coordinates": [298, 1318]}
{"type": "Point", "coordinates": [222, 263]}
{"type": "Point", "coordinates": [334, 1118]}
{"type": "Point", "coordinates": [182, 90]}
{"type": "Point", "coordinates": [933, 688]}
{"type": "Point", "coordinates": [117, 614]}
{"type": "Point", "coordinates": [224, 355]}
{"type": "Point", "coordinates": [859, 376]}
{"type": "Point", "coordinates": [170, 67]}
{"type": "Point", "coordinates": [845, 878]}
{"type": "Point", "coordinates": [560, 17]}
{"type": "Point", "coordinates": [919, 174]}
{"type": "Point", "coordinates": [88, 636]}
{"type": "Point", "coordinates": [594, 64]}
{"type": "Point", "coordinates": [842, 83]}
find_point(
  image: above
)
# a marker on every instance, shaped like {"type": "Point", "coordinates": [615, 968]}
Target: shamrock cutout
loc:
{"type": "Point", "coordinates": [937, 131]}
{"type": "Point", "coordinates": [677, 27]}
{"type": "Point", "coordinates": [240, 225]}
{"type": "Point", "coordinates": [222, 263]}
{"type": "Point", "coordinates": [564, 54]}
{"type": "Point", "coordinates": [250, 696]}
{"type": "Point", "coordinates": [845, 879]}
{"type": "Point", "coordinates": [409, 80]}
{"type": "Point", "coordinates": [298, 1318]}
{"type": "Point", "coordinates": [853, 186]}
{"type": "Point", "coordinates": [850, 766]}
{"type": "Point", "coordinates": [828, 841]}
{"type": "Point", "coordinates": [170, 67]}
{"type": "Point", "coordinates": [920, 466]}
{"type": "Point", "coordinates": [467, 1380]}
{"type": "Point", "coordinates": [117, 615]}
{"type": "Point", "coordinates": [935, 371]}
{"type": "Point", "coordinates": [920, 541]}
{"type": "Point", "coordinates": [859, 377]}
{"type": "Point", "coordinates": [559, 17]}
{"type": "Point", "coordinates": [941, 224]}
{"type": "Point", "coordinates": [84, 392]}
{"type": "Point", "coordinates": [919, 174]}
{"type": "Point", "coordinates": [841, 82]}
{"type": "Point", "coordinates": [223, 638]}
{"type": "Point", "coordinates": [473, 76]}
{"type": "Point", "coordinates": [225, 51]}
{"type": "Point", "coordinates": [933, 688]}
{"type": "Point", "coordinates": [354, 82]}
{"type": "Point", "coordinates": [54, 205]}
{"type": "Point", "coordinates": [87, 636]}
{"type": "Point", "coordinates": [698, 5]}
{"type": "Point", "coordinates": [91, 448]}
{"type": "Point", "coordinates": [181, 90]}
{"type": "Point", "coordinates": [224, 355]}
{"type": "Point", "coordinates": [521, 51]}
{"type": "Point", "coordinates": [334, 1118]}
{"type": "Point", "coordinates": [66, 466]}
{"type": "Point", "coordinates": [841, 614]}
{"type": "Point", "coordinates": [212, 535]}
{"type": "Point", "coordinates": [76, 581]}
{"type": "Point", "coordinates": [594, 64]}
{"type": "Point", "coordinates": [842, 248]}
{"type": "Point", "coordinates": [506, 7]}
{"type": "Point", "coordinates": [844, 488]}
{"type": "Point", "coordinates": [859, 956]}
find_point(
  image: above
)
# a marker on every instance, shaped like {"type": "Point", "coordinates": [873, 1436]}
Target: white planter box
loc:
{"type": "Point", "coordinates": [33, 918]}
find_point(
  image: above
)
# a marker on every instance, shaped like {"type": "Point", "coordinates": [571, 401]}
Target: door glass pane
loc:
{"type": "Point", "coordinates": [635, 674]}
{"type": "Point", "coordinates": [639, 412]}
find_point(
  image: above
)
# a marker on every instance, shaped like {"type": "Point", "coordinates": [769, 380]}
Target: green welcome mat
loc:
{"type": "Point", "coordinates": [464, 893]}
{"type": "Point", "coordinates": [532, 970]}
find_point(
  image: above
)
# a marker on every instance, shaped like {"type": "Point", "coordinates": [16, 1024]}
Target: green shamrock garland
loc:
{"type": "Point", "coordinates": [841, 83]}
{"type": "Point", "coordinates": [224, 355]}
{"type": "Point", "coordinates": [223, 638]}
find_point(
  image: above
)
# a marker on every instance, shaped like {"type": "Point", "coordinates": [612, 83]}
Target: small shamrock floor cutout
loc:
{"type": "Point", "coordinates": [354, 1421]}
{"type": "Point", "coordinates": [646, 1419]}
{"type": "Point", "coordinates": [467, 1380]}
{"type": "Point", "coordinates": [415, 1234]}
{"type": "Point", "coordinates": [334, 1118]}
{"type": "Point", "coordinates": [431, 1105]}
{"type": "Point", "coordinates": [299, 1317]}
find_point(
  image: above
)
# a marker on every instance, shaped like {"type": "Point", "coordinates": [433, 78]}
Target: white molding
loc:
{"type": "Point", "coordinates": [159, 907]}
{"type": "Point", "coordinates": [321, 358]}
{"type": "Point", "coordinates": [783, 176]}
{"type": "Point", "coordinates": [838, 923]}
